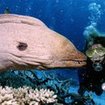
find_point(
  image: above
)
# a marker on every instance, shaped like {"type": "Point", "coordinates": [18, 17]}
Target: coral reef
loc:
{"type": "Point", "coordinates": [34, 82]}
{"type": "Point", "coordinates": [26, 96]}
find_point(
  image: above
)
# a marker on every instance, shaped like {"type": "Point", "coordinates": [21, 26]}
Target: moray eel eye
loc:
{"type": "Point", "coordinates": [22, 46]}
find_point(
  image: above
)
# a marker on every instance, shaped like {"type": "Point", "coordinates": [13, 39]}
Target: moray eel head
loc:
{"type": "Point", "coordinates": [27, 43]}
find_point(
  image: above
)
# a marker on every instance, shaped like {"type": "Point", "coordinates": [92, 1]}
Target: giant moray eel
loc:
{"type": "Point", "coordinates": [27, 43]}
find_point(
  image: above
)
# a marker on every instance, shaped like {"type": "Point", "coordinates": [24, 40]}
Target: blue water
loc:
{"type": "Point", "coordinates": [67, 17]}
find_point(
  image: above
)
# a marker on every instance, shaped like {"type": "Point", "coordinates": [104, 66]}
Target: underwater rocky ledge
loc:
{"type": "Point", "coordinates": [38, 88]}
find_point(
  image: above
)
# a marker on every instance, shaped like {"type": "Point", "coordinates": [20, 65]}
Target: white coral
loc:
{"type": "Point", "coordinates": [26, 95]}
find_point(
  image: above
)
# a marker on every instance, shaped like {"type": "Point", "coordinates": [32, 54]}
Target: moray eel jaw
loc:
{"type": "Point", "coordinates": [73, 61]}
{"type": "Point", "coordinates": [68, 64]}
{"type": "Point", "coordinates": [67, 55]}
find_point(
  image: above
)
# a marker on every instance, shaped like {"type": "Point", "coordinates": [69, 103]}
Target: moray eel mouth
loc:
{"type": "Point", "coordinates": [79, 62]}
{"type": "Point", "coordinates": [76, 62]}
{"type": "Point", "coordinates": [71, 63]}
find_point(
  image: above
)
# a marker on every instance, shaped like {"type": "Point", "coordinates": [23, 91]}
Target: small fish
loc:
{"type": "Point", "coordinates": [27, 43]}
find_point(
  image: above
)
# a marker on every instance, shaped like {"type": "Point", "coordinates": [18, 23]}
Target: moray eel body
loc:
{"type": "Point", "coordinates": [27, 43]}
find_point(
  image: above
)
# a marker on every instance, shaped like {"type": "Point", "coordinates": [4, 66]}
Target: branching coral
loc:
{"type": "Point", "coordinates": [26, 96]}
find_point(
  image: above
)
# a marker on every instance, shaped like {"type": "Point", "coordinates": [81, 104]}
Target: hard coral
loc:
{"type": "Point", "coordinates": [26, 96]}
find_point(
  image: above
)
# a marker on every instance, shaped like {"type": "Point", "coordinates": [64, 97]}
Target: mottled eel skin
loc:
{"type": "Point", "coordinates": [27, 43]}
